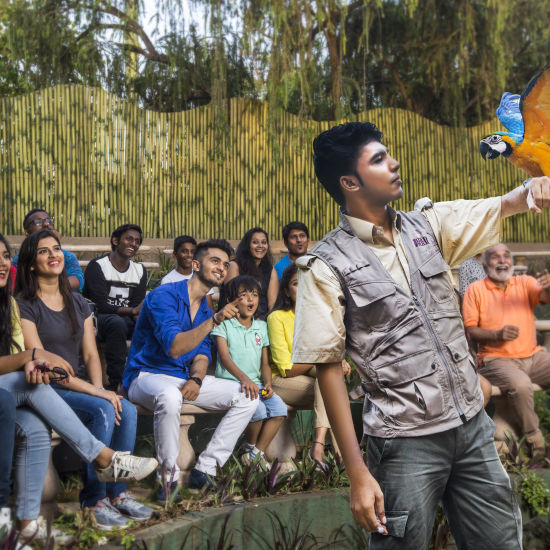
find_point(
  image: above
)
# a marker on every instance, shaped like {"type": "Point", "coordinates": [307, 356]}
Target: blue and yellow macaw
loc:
{"type": "Point", "coordinates": [527, 119]}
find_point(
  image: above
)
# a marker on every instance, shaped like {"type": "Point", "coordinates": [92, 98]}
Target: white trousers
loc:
{"type": "Point", "coordinates": [161, 394]}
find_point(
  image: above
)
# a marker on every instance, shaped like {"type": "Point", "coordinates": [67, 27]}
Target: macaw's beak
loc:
{"type": "Point", "coordinates": [485, 149]}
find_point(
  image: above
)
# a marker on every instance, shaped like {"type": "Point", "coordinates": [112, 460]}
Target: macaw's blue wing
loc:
{"type": "Point", "coordinates": [509, 114]}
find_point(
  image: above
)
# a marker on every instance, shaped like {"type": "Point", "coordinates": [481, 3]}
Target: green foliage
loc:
{"type": "Point", "coordinates": [446, 60]}
{"type": "Point", "coordinates": [535, 494]}
{"type": "Point", "coordinates": [542, 408]}
{"type": "Point", "coordinates": [127, 540]}
{"type": "Point", "coordinates": [83, 527]}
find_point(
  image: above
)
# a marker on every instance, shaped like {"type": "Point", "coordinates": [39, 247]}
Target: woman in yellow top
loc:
{"type": "Point", "coordinates": [295, 383]}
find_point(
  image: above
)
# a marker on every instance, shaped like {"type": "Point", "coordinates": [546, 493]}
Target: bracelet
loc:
{"type": "Point", "coordinates": [33, 352]}
{"type": "Point", "coordinates": [214, 320]}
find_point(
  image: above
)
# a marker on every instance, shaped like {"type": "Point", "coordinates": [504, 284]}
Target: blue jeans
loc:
{"type": "Point", "coordinates": [98, 415]}
{"type": "Point", "coordinates": [32, 453]}
{"type": "Point", "coordinates": [269, 408]}
{"type": "Point", "coordinates": [43, 400]}
{"type": "Point", "coordinates": [7, 434]}
{"type": "Point", "coordinates": [458, 467]}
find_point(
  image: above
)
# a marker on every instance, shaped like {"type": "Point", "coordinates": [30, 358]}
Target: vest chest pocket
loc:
{"type": "Point", "coordinates": [363, 289]}
{"type": "Point", "coordinates": [435, 274]}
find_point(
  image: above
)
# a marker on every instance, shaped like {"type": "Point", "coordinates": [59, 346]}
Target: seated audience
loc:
{"type": "Point", "coordinates": [296, 239]}
{"type": "Point", "coordinates": [295, 383]}
{"type": "Point", "coordinates": [25, 374]}
{"type": "Point", "coordinates": [60, 321]}
{"type": "Point", "coordinates": [117, 287]}
{"type": "Point", "coordinates": [253, 258]}
{"type": "Point", "coordinates": [242, 344]}
{"type": "Point", "coordinates": [498, 314]}
{"type": "Point", "coordinates": [7, 436]}
{"type": "Point", "coordinates": [38, 219]}
{"type": "Point", "coordinates": [167, 365]}
{"type": "Point", "coordinates": [184, 250]}
{"type": "Point", "coordinates": [469, 272]}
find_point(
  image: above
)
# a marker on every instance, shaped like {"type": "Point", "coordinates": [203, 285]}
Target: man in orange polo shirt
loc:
{"type": "Point", "coordinates": [498, 314]}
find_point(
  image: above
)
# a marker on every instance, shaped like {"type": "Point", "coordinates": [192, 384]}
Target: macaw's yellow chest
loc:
{"type": "Point", "coordinates": [533, 157]}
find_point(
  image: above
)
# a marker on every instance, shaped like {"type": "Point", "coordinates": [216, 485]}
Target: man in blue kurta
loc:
{"type": "Point", "coordinates": [168, 359]}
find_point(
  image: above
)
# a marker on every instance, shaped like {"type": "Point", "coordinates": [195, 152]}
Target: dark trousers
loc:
{"type": "Point", "coordinates": [7, 437]}
{"type": "Point", "coordinates": [458, 467]}
{"type": "Point", "coordinates": [114, 330]}
{"type": "Point", "coordinates": [98, 415]}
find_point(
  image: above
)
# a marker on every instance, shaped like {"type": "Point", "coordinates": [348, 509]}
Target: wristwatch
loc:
{"type": "Point", "coordinates": [197, 380]}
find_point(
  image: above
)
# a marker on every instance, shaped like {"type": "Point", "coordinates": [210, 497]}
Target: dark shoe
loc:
{"type": "Point", "coordinates": [199, 480]}
{"type": "Point", "coordinates": [161, 494]}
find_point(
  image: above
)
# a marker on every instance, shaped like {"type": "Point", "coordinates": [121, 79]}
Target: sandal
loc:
{"type": "Point", "coordinates": [320, 463]}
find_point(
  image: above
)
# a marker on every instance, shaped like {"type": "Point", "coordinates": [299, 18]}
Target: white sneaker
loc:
{"type": "Point", "coordinates": [5, 521]}
{"type": "Point", "coordinates": [261, 461]}
{"type": "Point", "coordinates": [125, 467]}
{"type": "Point", "coordinates": [37, 529]}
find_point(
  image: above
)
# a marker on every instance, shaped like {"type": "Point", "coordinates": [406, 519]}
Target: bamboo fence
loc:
{"type": "Point", "coordinates": [95, 161]}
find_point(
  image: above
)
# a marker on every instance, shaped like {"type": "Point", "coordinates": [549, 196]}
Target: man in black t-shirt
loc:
{"type": "Point", "coordinates": [117, 286]}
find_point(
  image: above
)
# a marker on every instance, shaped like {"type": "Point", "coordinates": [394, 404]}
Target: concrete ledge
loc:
{"type": "Point", "coordinates": [318, 512]}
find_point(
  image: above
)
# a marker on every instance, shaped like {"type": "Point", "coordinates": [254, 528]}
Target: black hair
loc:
{"type": "Point", "coordinates": [26, 281]}
{"type": "Point", "coordinates": [183, 239]}
{"type": "Point", "coordinates": [221, 244]}
{"type": "Point", "coordinates": [283, 300]}
{"type": "Point", "coordinates": [121, 229]}
{"type": "Point", "coordinates": [244, 282]}
{"type": "Point", "coordinates": [30, 213]}
{"type": "Point", "coordinates": [299, 226]}
{"type": "Point", "coordinates": [245, 261]}
{"type": "Point", "coordinates": [336, 151]}
{"type": "Point", "coordinates": [6, 321]}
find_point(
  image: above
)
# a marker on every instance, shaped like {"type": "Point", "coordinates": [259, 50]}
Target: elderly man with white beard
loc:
{"type": "Point", "coordinates": [498, 314]}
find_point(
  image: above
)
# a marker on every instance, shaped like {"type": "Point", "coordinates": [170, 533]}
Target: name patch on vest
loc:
{"type": "Point", "coordinates": [420, 241]}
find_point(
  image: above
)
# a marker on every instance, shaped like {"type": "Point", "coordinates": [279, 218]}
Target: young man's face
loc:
{"type": "Point", "coordinates": [297, 242]}
{"type": "Point", "coordinates": [212, 268]}
{"type": "Point", "coordinates": [129, 243]}
{"type": "Point", "coordinates": [500, 264]}
{"type": "Point", "coordinates": [379, 175]}
{"type": "Point", "coordinates": [248, 302]}
{"type": "Point", "coordinates": [40, 220]}
{"type": "Point", "coordinates": [184, 255]}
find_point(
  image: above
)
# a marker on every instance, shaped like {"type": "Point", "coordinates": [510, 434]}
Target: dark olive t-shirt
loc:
{"type": "Point", "coordinates": [55, 330]}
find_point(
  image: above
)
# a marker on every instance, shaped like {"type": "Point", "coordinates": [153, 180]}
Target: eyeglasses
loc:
{"type": "Point", "coordinates": [55, 374]}
{"type": "Point", "coordinates": [39, 222]}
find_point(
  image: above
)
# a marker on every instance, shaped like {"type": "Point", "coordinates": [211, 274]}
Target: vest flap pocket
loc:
{"type": "Point", "coordinates": [396, 374]}
{"type": "Point", "coordinates": [364, 294]}
{"type": "Point", "coordinates": [458, 349]}
{"type": "Point", "coordinates": [435, 265]}
{"type": "Point", "coordinates": [352, 268]}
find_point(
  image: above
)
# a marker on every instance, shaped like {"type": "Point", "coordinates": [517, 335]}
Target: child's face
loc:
{"type": "Point", "coordinates": [292, 288]}
{"type": "Point", "coordinates": [248, 302]}
{"type": "Point", "coordinates": [184, 255]}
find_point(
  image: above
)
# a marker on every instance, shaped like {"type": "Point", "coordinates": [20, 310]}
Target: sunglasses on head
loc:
{"type": "Point", "coordinates": [55, 374]}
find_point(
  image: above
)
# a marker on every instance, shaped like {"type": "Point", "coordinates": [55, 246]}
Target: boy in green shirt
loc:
{"type": "Point", "coordinates": [242, 344]}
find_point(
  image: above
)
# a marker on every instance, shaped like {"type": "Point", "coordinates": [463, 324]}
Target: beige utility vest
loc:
{"type": "Point", "coordinates": [411, 351]}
